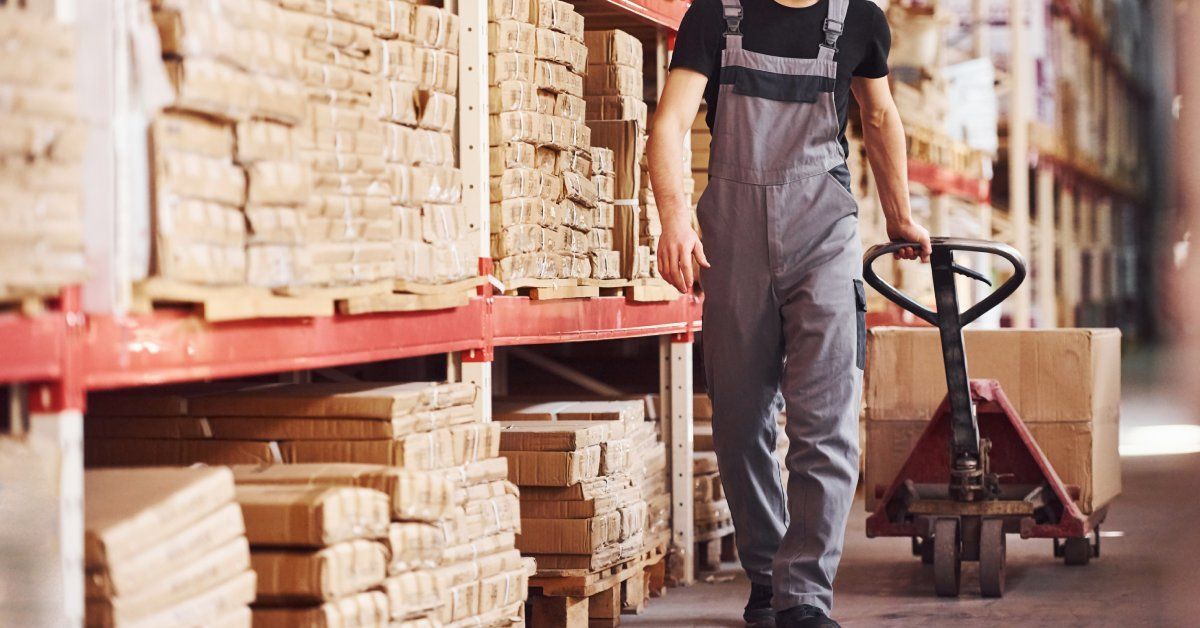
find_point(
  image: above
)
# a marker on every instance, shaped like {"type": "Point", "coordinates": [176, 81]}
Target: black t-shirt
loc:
{"type": "Point", "coordinates": [774, 29]}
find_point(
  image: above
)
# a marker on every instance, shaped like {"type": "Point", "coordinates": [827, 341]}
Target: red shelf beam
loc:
{"type": "Point", "coordinates": [175, 347]}
{"type": "Point", "coordinates": [632, 14]}
{"type": "Point", "coordinates": [31, 347]}
{"type": "Point", "coordinates": [522, 321]}
{"type": "Point", "coordinates": [942, 181]}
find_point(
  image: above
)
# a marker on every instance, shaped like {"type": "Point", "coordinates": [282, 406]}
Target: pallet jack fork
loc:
{"type": "Point", "coordinates": [975, 474]}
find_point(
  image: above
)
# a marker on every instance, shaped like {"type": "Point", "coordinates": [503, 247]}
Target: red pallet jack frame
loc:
{"type": "Point", "coordinates": [975, 474]}
{"type": "Point", "coordinates": [1036, 505]}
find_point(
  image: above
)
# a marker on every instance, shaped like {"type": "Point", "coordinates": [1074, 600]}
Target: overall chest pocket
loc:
{"type": "Point", "coordinates": [781, 87]}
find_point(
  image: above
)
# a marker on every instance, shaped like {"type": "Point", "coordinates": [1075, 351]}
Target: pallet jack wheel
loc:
{"type": "Point", "coordinates": [1077, 551]}
{"type": "Point", "coordinates": [947, 558]}
{"type": "Point", "coordinates": [992, 550]}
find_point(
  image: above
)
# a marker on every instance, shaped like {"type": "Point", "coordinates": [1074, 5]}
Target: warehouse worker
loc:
{"type": "Point", "coordinates": [780, 264]}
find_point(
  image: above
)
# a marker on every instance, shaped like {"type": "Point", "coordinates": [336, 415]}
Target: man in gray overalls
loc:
{"type": "Point", "coordinates": [784, 307]}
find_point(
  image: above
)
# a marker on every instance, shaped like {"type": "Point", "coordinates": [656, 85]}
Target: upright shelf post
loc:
{"type": "Point", "coordinates": [676, 390]}
{"type": "Point", "coordinates": [1068, 254]}
{"type": "Point", "coordinates": [473, 117]}
{"type": "Point", "coordinates": [1044, 252]}
{"type": "Point", "coordinates": [1018, 149]}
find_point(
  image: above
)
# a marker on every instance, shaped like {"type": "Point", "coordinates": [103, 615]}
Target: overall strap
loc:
{"type": "Point", "coordinates": [834, 23]}
{"type": "Point", "coordinates": [732, 10]}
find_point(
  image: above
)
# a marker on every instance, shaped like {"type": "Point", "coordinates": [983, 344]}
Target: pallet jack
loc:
{"type": "Point", "coordinates": [975, 474]}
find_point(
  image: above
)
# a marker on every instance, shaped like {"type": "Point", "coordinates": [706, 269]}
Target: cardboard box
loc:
{"type": "Point", "coordinates": [623, 138]}
{"type": "Point", "coordinates": [277, 428]}
{"type": "Point", "coordinates": [154, 563]}
{"type": "Point", "coordinates": [556, 436]}
{"type": "Point", "coordinates": [493, 544]}
{"type": "Point", "coordinates": [288, 577]}
{"type": "Point", "coordinates": [185, 579]}
{"type": "Point", "coordinates": [628, 411]}
{"type": "Point", "coordinates": [613, 80]}
{"type": "Point", "coordinates": [1065, 384]}
{"type": "Point", "coordinates": [411, 594]}
{"type": "Point", "coordinates": [355, 400]}
{"type": "Point", "coordinates": [228, 598]}
{"type": "Point", "coordinates": [302, 516]}
{"type": "Point", "coordinates": [414, 545]}
{"type": "Point", "coordinates": [579, 509]}
{"type": "Point", "coordinates": [553, 468]}
{"type": "Point", "coordinates": [179, 131]}
{"type": "Point", "coordinates": [414, 495]}
{"type": "Point", "coordinates": [1050, 376]}
{"type": "Point", "coordinates": [132, 509]}
{"type": "Point", "coordinates": [474, 473]}
{"type": "Point", "coordinates": [569, 536]}
{"type": "Point", "coordinates": [362, 609]}
{"type": "Point", "coordinates": [613, 47]}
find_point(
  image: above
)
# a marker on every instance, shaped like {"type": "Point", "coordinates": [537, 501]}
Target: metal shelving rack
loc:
{"type": "Point", "coordinates": [51, 360]}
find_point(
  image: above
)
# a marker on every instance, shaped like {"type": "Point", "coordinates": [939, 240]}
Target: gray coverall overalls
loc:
{"type": "Point", "coordinates": [784, 305]}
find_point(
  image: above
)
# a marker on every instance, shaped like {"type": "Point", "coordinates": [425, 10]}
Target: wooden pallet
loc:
{"type": "Point", "coordinates": [608, 287]}
{"type": "Point", "coordinates": [412, 287]}
{"type": "Point", "coordinates": [397, 302]}
{"type": "Point", "coordinates": [600, 598]}
{"type": "Point", "coordinates": [27, 302]}
{"type": "Point", "coordinates": [714, 543]}
{"type": "Point", "coordinates": [548, 289]}
{"type": "Point", "coordinates": [651, 290]}
{"type": "Point", "coordinates": [225, 303]}
{"type": "Point", "coordinates": [337, 293]}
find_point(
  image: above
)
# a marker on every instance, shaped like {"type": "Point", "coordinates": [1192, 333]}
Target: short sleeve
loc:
{"type": "Point", "coordinates": [698, 42]}
{"type": "Point", "coordinates": [874, 63]}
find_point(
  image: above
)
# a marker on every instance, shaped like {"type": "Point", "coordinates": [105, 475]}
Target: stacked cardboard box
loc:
{"type": "Point", "coordinates": [581, 510]}
{"type": "Point", "coordinates": [618, 116]}
{"type": "Point", "coordinates": [417, 103]}
{"type": "Point", "coordinates": [165, 547]}
{"type": "Point", "coordinates": [551, 211]}
{"type": "Point", "coordinates": [342, 142]}
{"type": "Point", "coordinates": [454, 515]}
{"type": "Point", "coordinates": [1064, 384]}
{"type": "Point", "coordinates": [41, 240]}
{"type": "Point", "coordinates": [221, 155]}
{"type": "Point", "coordinates": [318, 554]}
{"type": "Point", "coordinates": [632, 439]}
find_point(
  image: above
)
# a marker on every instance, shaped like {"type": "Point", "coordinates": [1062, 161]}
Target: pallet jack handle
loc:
{"type": "Point", "coordinates": [968, 461]}
{"type": "Point", "coordinates": [942, 247]}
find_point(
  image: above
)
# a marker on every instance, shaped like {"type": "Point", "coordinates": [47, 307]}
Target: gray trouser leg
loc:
{"type": "Point", "coordinates": [821, 386]}
{"type": "Point", "coordinates": [743, 360]}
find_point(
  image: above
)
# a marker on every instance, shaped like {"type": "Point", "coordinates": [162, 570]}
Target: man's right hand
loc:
{"type": "Point", "coordinates": [676, 248]}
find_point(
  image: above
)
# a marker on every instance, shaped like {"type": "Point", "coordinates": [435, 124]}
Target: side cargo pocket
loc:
{"type": "Point", "coordinates": [860, 303]}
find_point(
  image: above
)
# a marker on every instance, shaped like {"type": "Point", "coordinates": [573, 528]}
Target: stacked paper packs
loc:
{"type": "Point", "coordinates": [587, 474]}
{"type": "Point", "coordinates": [318, 554]}
{"type": "Point", "coordinates": [618, 116]}
{"type": "Point", "coordinates": [224, 173]}
{"type": "Point", "coordinates": [436, 241]}
{"type": "Point", "coordinates": [41, 143]}
{"type": "Point", "coordinates": [348, 239]}
{"type": "Point", "coordinates": [551, 217]}
{"type": "Point", "coordinates": [165, 547]}
{"type": "Point", "coordinates": [450, 517]}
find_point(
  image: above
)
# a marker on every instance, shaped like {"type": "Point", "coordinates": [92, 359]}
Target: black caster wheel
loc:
{"type": "Point", "coordinates": [992, 551]}
{"type": "Point", "coordinates": [947, 558]}
{"type": "Point", "coordinates": [1077, 552]}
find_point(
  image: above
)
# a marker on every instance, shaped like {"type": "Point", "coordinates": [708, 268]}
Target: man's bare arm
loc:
{"type": "Point", "coordinates": [673, 118]}
{"type": "Point", "coordinates": [883, 135]}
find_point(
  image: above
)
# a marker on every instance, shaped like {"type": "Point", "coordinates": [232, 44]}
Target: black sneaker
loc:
{"type": "Point", "coordinates": [759, 613]}
{"type": "Point", "coordinates": [805, 616]}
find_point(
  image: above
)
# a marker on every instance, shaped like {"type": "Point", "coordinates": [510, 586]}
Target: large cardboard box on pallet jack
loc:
{"type": "Point", "coordinates": [1064, 383]}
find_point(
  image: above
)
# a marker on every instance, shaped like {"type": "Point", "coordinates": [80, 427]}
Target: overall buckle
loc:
{"type": "Point", "coordinates": [831, 28]}
{"type": "Point", "coordinates": [733, 23]}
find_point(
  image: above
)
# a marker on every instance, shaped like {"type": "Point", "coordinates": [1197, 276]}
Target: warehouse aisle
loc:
{"type": "Point", "coordinates": [1146, 577]}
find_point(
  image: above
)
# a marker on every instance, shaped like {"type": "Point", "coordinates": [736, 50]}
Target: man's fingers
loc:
{"type": "Point", "coordinates": [685, 265]}
{"type": "Point", "coordinates": [699, 253]}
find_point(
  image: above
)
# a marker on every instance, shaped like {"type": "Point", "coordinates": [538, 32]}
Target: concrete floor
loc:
{"type": "Point", "coordinates": [1148, 575]}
